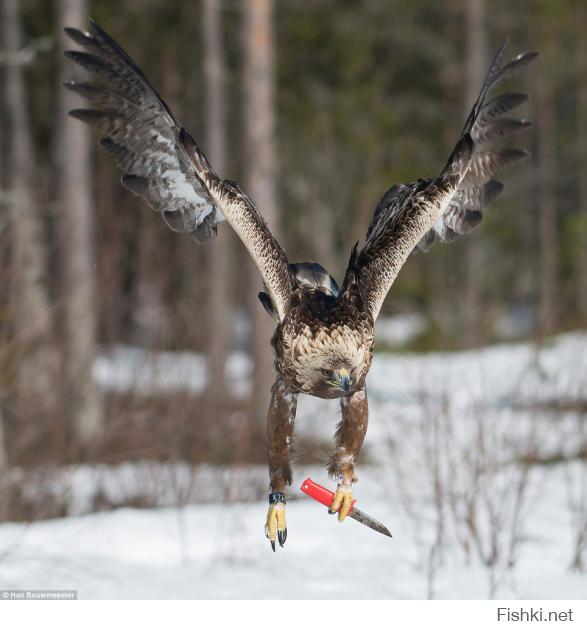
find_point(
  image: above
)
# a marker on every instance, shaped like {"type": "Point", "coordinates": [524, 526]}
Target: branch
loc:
{"type": "Point", "coordinates": [26, 55]}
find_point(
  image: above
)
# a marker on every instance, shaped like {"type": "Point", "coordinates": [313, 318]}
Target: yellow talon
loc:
{"type": "Point", "coordinates": [336, 501]}
{"type": "Point", "coordinates": [275, 525]}
{"type": "Point", "coordinates": [342, 500]}
{"type": "Point", "coordinates": [281, 519]}
{"type": "Point", "coordinates": [271, 523]}
{"type": "Point", "coordinates": [346, 506]}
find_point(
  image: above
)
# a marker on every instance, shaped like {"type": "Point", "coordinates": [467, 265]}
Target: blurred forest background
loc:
{"type": "Point", "coordinates": [316, 108]}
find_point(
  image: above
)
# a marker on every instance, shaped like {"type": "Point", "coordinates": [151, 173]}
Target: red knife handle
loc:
{"type": "Point", "coordinates": [320, 493]}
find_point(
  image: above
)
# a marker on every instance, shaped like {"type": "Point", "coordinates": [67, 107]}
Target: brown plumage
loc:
{"type": "Point", "coordinates": [323, 340]}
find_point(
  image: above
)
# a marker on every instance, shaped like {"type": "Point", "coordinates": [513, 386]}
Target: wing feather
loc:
{"type": "Point", "coordinates": [418, 214]}
{"type": "Point", "coordinates": [162, 163]}
{"type": "Point", "coordinates": [500, 105]}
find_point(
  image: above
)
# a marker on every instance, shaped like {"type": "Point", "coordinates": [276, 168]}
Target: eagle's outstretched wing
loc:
{"type": "Point", "coordinates": [415, 215]}
{"type": "Point", "coordinates": [162, 163]}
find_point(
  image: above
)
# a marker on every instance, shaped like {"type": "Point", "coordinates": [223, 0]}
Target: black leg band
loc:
{"type": "Point", "coordinates": [276, 497]}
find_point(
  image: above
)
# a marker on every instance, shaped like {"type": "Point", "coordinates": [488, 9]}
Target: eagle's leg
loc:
{"type": "Point", "coordinates": [349, 437]}
{"type": "Point", "coordinates": [280, 424]}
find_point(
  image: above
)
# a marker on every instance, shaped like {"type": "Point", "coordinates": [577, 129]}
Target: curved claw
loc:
{"type": "Point", "coordinates": [281, 536]}
{"type": "Point", "coordinates": [275, 526]}
{"type": "Point", "coordinates": [342, 500]}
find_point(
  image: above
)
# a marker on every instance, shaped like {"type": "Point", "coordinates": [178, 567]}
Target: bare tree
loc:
{"type": "Point", "coordinates": [546, 173]}
{"type": "Point", "coordinates": [576, 489]}
{"type": "Point", "coordinates": [473, 495]}
{"type": "Point", "coordinates": [3, 467]}
{"type": "Point", "coordinates": [35, 368]}
{"type": "Point", "coordinates": [219, 268]}
{"type": "Point", "coordinates": [3, 221]}
{"type": "Point", "coordinates": [476, 66]}
{"type": "Point", "coordinates": [76, 209]}
{"type": "Point", "coordinates": [581, 145]}
{"type": "Point", "coordinates": [261, 175]}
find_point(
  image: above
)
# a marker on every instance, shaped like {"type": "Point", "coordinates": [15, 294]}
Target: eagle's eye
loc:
{"type": "Point", "coordinates": [326, 372]}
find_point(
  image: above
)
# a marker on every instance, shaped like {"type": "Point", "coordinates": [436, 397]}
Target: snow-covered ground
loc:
{"type": "Point", "coordinates": [446, 438]}
{"type": "Point", "coordinates": [218, 551]}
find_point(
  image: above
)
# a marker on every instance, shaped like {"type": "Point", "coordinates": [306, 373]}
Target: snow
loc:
{"type": "Point", "coordinates": [398, 330]}
{"type": "Point", "coordinates": [442, 471]}
{"type": "Point", "coordinates": [218, 551]}
{"type": "Point", "coordinates": [126, 368]}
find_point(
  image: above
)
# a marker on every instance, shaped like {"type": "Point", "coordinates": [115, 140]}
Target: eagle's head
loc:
{"type": "Point", "coordinates": [331, 365]}
{"type": "Point", "coordinates": [336, 381]}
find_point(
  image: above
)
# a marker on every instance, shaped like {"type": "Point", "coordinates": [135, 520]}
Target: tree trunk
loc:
{"type": "Point", "coordinates": [548, 232]}
{"type": "Point", "coordinates": [218, 277]}
{"type": "Point", "coordinates": [476, 67]}
{"type": "Point", "coordinates": [3, 260]}
{"type": "Point", "coordinates": [260, 161]}
{"type": "Point", "coordinates": [581, 147]}
{"type": "Point", "coordinates": [36, 370]}
{"type": "Point", "coordinates": [4, 488]}
{"type": "Point", "coordinates": [81, 397]}
{"type": "Point", "coordinates": [3, 455]}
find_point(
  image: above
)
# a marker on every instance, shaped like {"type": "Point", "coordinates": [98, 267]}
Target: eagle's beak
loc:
{"type": "Point", "coordinates": [343, 380]}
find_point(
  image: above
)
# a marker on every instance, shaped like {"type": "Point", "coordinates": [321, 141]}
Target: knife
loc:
{"type": "Point", "coordinates": [325, 496]}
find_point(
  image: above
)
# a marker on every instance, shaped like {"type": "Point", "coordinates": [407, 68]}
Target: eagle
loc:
{"type": "Point", "coordinates": [324, 332]}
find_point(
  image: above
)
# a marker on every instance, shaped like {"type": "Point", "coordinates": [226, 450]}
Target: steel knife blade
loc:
{"type": "Point", "coordinates": [369, 521]}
